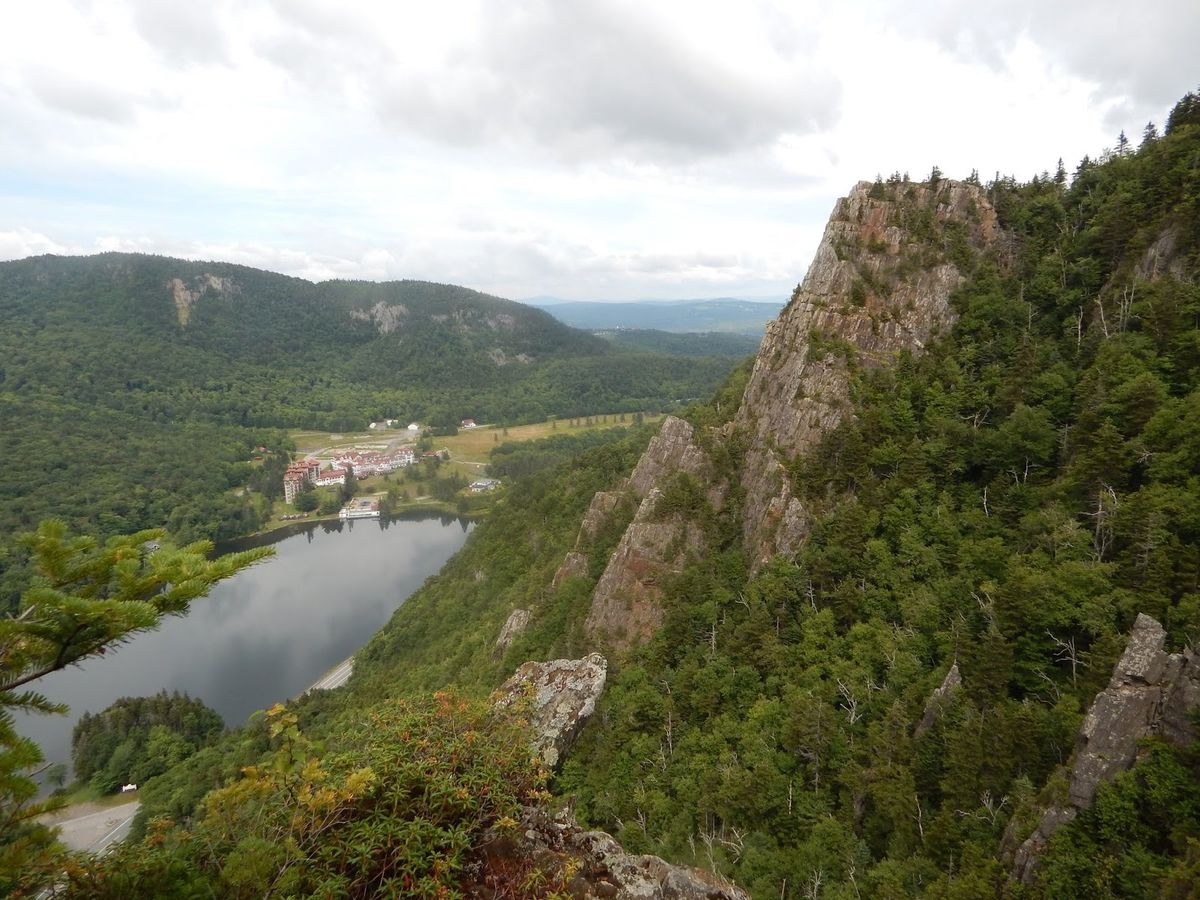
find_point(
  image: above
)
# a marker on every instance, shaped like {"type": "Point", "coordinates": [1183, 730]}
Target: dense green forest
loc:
{"type": "Point", "coordinates": [135, 390]}
{"type": "Point", "coordinates": [136, 738]}
{"type": "Point", "coordinates": [705, 343]}
{"type": "Point", "coordinates": [727, 315]}
{"type": "Point", "coordinates": [1008, 501]}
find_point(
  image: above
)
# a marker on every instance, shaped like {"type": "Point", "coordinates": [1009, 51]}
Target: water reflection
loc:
{"type": "Point", "coordinates": [270, 631]}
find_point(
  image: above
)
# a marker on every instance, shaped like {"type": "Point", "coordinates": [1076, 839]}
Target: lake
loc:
{"type": "Point", "coordinates": [268, 633]}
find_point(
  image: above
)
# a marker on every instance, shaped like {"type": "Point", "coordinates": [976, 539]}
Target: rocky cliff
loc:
{"type": "Point", "coordinates": [880, 284]}
{"type": "Point", "coordinates": [625, 603]}
{"type": "Point", "coordinates": [1150, 692]}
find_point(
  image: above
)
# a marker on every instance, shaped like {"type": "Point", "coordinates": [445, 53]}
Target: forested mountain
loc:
{"type": "Point", "coordinates": [722, 314]}
{"type": "Point", "coordinates": [134, 389]}
{"type": "Point", "coordinates": [908, 609]}
{"type": "Point", "coordinates": [683, 343]}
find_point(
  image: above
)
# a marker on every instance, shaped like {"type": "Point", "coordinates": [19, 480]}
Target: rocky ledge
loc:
{"type": "Point", "coordinates": [588, 865]}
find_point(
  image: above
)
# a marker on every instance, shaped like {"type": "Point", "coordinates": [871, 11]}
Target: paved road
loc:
{"type": "Point", "coordinates": [336, 677]}
{"type": "Point", "coordinates": [95, 831]}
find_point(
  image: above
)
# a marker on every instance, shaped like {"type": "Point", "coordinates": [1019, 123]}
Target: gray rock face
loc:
{"type": "Point", "coordinates": [385, 317]}
{"type": "Point", "coordinates": [626, 606]}
{"type": "Point", "coordinates": [1122, 714]}
{"type": "Point", "coordinates": [626, 601]}
{"type": "Point", "coordinates": [598, 513]}
{"type": "Point", "coordinates": [563, 695]}
{"type": "Point", "coordinates": [671, 450]}
{"type": "Point", "coordinates": [513, 626]}
{"type": "Point", "coordinates": [1150, 692]}
{"type": "Point", "coordinates": [941, 697]}
{"type": "Point", "coordinates": [872, 290]}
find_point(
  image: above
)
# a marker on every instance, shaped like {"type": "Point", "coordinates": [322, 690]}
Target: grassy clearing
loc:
{"type": "Point", "coordinates": [471, 446]}
{"type": "Point", "coordinates": [475, 444]}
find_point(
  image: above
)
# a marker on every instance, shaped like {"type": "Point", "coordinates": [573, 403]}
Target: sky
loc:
{"type": "Point", "coordinates": [582, 149]}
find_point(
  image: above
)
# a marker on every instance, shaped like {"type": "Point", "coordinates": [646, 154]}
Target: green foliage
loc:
{"type": "Point", "coordinates": [306, 501]}
{"type": "Point", "coordinates": [87, 598]}
{"type": "Point", "coordinates": [1140, 837]}
{"type": "Point", "coordinates": [136, 738]}
{"type": "Point", "coordinates": [708, 343]}
{"type": "Point", "coordinates": [396, 805]}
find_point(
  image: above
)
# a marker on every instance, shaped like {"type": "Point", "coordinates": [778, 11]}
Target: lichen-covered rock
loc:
{"type": "Point", "coordinates": [516, 623]}
{"type": "Point", "coordinates": [562, 695]}
{"type": "Point", "coordinates": [590, 865]}
{"type": "Point", "coordinates": [877, 286]}
{"type": "Point", "coordinates": [1150, 692]}
{"type": "Point", "coordinates": [606, 863]}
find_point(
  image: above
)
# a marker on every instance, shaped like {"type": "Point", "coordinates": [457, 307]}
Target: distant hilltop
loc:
{"type": "Point", "coordinates": [725, 314]}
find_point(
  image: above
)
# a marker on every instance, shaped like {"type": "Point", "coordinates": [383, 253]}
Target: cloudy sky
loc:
{"type": "Point", "coordinates": [587, 149]}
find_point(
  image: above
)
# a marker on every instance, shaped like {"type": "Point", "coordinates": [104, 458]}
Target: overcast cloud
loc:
{"type": "Point", "coordinates": [581, 149]}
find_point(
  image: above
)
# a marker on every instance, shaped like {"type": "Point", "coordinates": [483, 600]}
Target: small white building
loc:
{"type": "Point", "coordinates": [414, 427]}
{"type": "Point", "coordinates": [330, 477]}
{"type": "Point", "coordinates": [484, 484]}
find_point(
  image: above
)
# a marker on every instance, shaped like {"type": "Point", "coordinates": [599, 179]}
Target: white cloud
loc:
{"type": "Point", "coordinates": [588, 149]}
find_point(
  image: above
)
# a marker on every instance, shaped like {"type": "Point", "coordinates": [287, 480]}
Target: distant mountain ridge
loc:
{"type": "Point", "coordinates": [723, 314]}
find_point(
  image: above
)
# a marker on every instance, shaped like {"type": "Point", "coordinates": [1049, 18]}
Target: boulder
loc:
{"type": "Point", "coordinates": [562, 694]}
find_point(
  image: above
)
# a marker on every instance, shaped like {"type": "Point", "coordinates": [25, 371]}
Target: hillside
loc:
{"type": "Point", "coordinates": [723, 314]}
{"type": "Point", "coordinates": [145, 383]}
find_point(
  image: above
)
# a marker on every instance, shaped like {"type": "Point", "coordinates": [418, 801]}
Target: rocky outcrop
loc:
{"type": "Point", "coordinates": [672, 450]}
{"type": "Point", "coordinates": [598, 514]}
{"type": "Point", "coordinates": [1150, 692]}
{"type": "Point", "coordinates": [941, 698]}
{"type": "Point", "coordinates": [562, 696]}
{"type": "Point", "coordinates": [513, 626]}
{"type": "Point", "coordinates": [185, 295]}
{"type": "Point", "coordinates": [626, 604]}
{"type": "Point", "coordinates": [879, 284]}
{"type": "Point", "coordinates": [574, 565]}
{"type": "Point", "coordinates": [386, 317]}
{"type": "Point", "coordinates": [589, 865]}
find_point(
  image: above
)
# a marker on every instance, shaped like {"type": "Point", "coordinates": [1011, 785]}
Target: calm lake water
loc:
{"type": "Point", "coordinates": [269, 632]}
